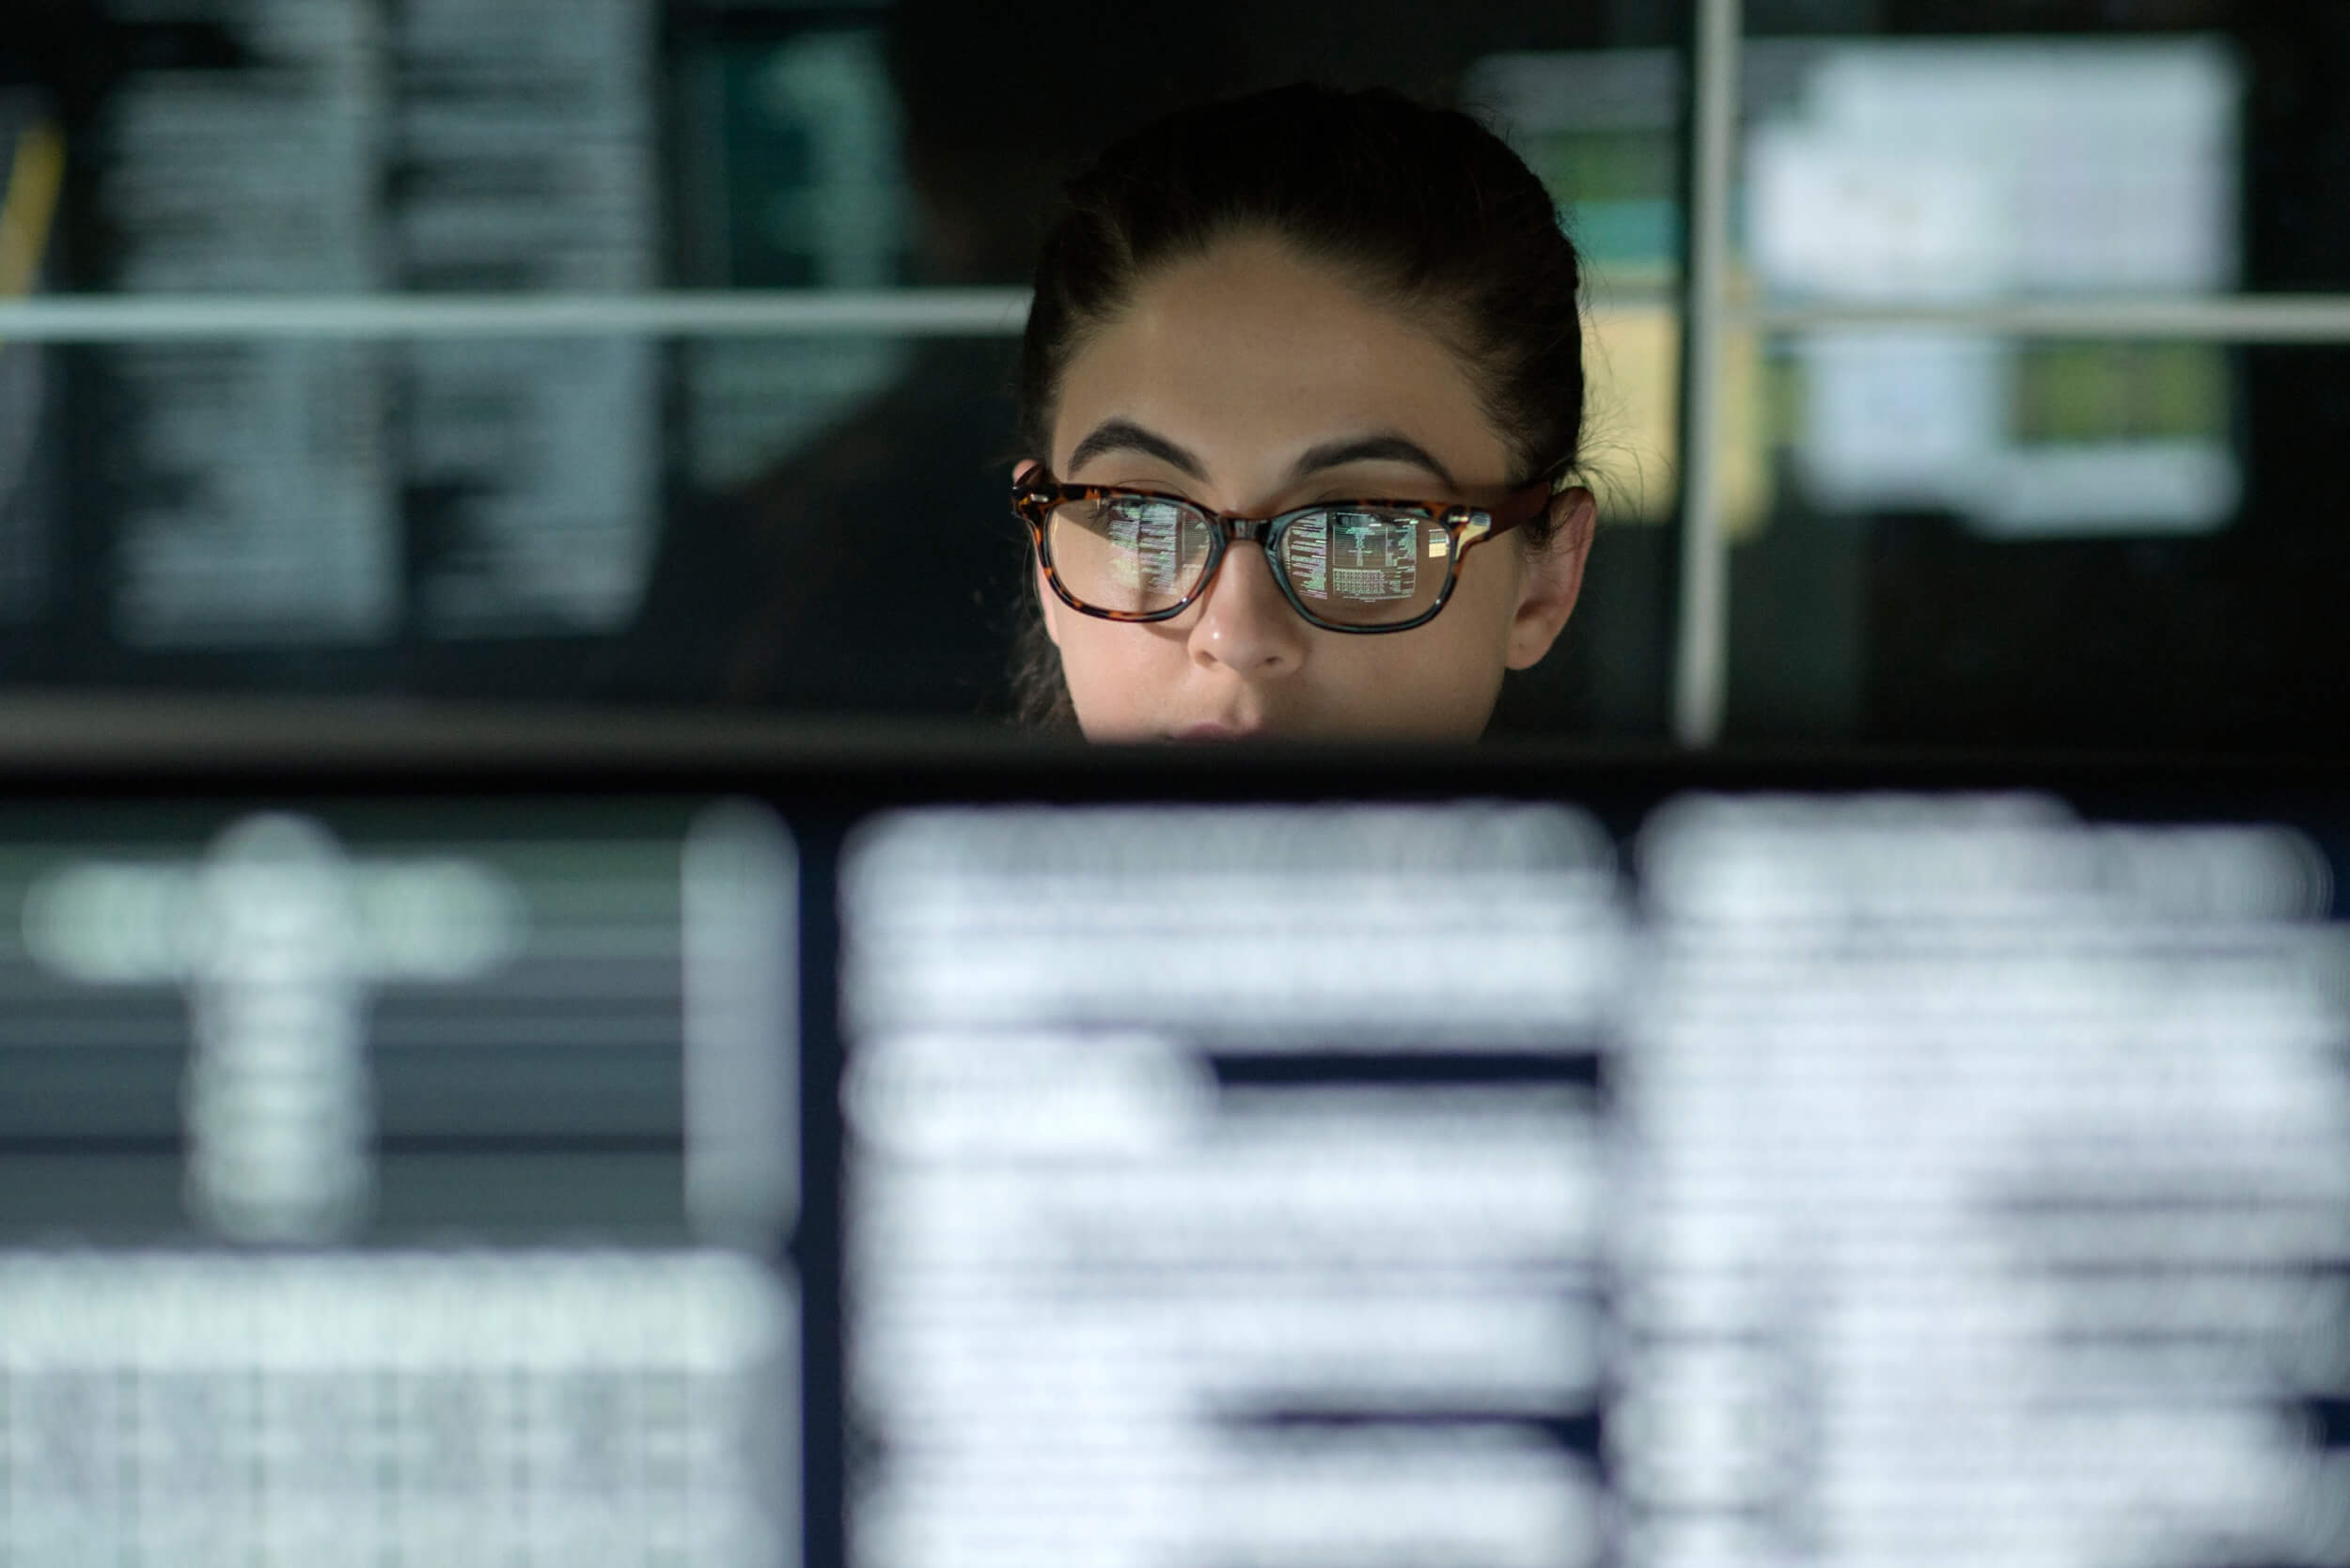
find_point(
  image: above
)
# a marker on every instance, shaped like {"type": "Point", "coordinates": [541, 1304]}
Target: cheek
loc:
{"type": "Point", "coordinates": [1114, 672]}
{"type": "Point", "coordinates": [1438, 683]}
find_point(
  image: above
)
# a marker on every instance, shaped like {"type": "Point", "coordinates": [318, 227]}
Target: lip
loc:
{"type": "Point", "coordinates": [1212, 731]}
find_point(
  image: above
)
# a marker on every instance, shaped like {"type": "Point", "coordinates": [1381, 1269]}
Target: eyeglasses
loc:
{"type": "Point", "coordinates": [1345, 566]}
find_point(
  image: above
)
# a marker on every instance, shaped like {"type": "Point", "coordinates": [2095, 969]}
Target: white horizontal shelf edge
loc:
{"type": "Point", "coordinates": [2212, 318]}
{"type": "Point", "coordinates": [900, 313]}
{"type": "Point", "coordinates": [137, 319]}
{"type": "Point", "coordinates": [1003, 312]}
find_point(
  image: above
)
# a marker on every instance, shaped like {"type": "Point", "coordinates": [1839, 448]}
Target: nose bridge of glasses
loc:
{"type": "Point", "coordinates": [1243, 530]}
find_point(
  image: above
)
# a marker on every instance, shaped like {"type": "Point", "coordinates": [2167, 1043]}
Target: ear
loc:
{"type": "Point", "coordinates": [1554, 578]}
{"type": "Point", "coordinates": [1021, 470]}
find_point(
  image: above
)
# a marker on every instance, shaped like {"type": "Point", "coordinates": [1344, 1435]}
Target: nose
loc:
{"type": "Point", "coordinates": [1245, 623]}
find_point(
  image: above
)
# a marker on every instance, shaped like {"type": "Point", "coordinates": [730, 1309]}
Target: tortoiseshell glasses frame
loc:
{"type": "Point", "coordinates": [1035, 498]}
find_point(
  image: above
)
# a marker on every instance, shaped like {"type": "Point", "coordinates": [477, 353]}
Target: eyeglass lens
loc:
{"type": "Point", "coordinates": [1348, 566]}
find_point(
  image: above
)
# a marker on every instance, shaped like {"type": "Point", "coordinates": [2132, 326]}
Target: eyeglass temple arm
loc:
{"type": "Point", "coordinates": [1520, 507]}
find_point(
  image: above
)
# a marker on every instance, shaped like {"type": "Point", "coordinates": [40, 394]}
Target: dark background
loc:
{"type": "Point", "coordinates": [858, 563]}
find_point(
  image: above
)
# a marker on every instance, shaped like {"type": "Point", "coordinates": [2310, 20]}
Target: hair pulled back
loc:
{"type": "Point", "coordinates": [1423, 208]}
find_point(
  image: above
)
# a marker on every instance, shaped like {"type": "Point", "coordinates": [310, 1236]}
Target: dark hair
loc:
{"type": "Point", "coordinates": [1422, 206]}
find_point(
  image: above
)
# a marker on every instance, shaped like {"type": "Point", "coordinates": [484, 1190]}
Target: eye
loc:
{"type": "Point", "coordinates": [1140, 508]}
{"type": "Point", "coordinates": [1100, 513]}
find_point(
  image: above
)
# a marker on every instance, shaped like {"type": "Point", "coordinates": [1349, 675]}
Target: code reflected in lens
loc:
{"type": "Point", "coordinates": [1129, 553]}
{"type": "Point", "coordinates": [1376, 560]}
{"type": "Point", "coordinates": [1305, 556]}
{"type": "Point", "coordinates": [1146, 546]}
{"type": "Point", "coordinates": [1362, 567]}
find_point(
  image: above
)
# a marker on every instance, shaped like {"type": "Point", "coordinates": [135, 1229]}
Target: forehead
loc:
{"type": "Point", "coordinates": [1250, 353]}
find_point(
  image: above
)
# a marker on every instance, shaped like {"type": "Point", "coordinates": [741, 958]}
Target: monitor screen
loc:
{"type": "Point", "coordinates": [1480, 1162]}
{"type": "Point", "coordinates": [375, 1183]}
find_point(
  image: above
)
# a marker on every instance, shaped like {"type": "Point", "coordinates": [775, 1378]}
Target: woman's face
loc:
{"type": "Point", "coordinates": [1252, 380]}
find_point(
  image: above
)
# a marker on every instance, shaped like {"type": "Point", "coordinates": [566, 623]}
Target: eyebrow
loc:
{"type": "Point", "coordinates": [1124, 436]}
{"type": "Point", "coordinates": [1387, 447]}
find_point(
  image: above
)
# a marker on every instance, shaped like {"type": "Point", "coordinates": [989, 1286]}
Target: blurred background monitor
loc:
{"type": "Point", "coordinates": [657, 352]}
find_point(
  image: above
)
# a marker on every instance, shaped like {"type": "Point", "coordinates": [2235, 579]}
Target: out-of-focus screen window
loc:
{"type": "Point", "coordinates": [2062, 502]}
{"type": "Point", "coordinates": [1520, 1169]}
{"type": "Point", "coordinates": [392, 1184]}
{"type": "Point", "coordinates": [668, 440]}
{"type": "Point", "coordinates": [659, 352]}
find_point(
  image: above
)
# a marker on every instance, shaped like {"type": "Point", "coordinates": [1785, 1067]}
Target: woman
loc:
{"type": "Point", "coordinates": [1301, 393]}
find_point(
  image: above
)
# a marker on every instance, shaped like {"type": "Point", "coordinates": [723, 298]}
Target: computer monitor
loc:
{"type": "Point", "coordinates": [848, 1155]}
